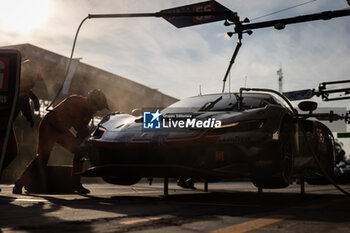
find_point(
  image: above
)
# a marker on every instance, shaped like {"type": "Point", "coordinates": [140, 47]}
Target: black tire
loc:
{"type": "Point", "coordinates": [280, 175]}
{"type": "Point", "coordinates": [286, 158]}
{"type": "Point", "coordinates": [327, 162]}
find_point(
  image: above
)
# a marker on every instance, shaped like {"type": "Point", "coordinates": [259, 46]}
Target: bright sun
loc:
{"type": "Point", "coordinates": [22, 16]}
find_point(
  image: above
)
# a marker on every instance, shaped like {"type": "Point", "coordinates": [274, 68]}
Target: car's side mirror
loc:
{"type": "Point", "coordinates": [308, 106]}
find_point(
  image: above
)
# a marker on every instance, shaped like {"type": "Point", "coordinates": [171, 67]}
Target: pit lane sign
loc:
{"type": "Point", "coordinates": [10, 64]}
{"type": "Point", "coordinates": [211, 12]}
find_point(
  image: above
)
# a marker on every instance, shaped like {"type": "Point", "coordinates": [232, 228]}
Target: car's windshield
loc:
{"type": "Point", "coordinates": [220, 102]}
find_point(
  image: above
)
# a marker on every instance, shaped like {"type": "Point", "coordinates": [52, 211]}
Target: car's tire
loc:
{"type": "Point", "coordinates": [286, 159]}
{"type": "Point", "coordinates": [320, 178]}
{"type": "Point", "coordinates": [280, 175]}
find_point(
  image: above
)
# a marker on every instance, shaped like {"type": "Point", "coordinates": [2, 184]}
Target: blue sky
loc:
{"type": "Point", "coordinates": [176, 61]}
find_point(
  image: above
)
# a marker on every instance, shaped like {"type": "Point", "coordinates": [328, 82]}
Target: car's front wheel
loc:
{"type": "Point", "coordinates": [280, 174]}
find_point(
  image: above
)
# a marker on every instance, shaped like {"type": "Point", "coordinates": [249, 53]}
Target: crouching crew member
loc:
{"type": "Point", "coordinates": [72, 114]}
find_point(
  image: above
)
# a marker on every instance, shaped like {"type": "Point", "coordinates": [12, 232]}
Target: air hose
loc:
{"type": "Point", "coordinates": [328, 177]}
{"type": "Point", "coordinates": [69, 64]}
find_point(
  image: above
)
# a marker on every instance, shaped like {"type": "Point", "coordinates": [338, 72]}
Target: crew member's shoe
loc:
{"type": "Point", "coordinates": [80, 189]}
{"type": "Point", "coordinates": [186, 184]}
{"type": "Point", "coordinates": [190, 184]}
{"type": "Point", "coordinates": [181, 183]}
{"type": "Point", "coordinates": [17, 189]}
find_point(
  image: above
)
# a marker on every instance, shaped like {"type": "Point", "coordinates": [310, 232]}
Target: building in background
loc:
{"type": "Point", "coordinates": [123, 95]}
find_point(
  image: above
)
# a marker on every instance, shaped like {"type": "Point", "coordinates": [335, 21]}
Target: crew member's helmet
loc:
{"type": "Point", "coordinates": [98, 99]}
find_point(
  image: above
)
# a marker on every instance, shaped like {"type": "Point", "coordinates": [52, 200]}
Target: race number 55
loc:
{"type": "Point", "coordinates": [208, 7]}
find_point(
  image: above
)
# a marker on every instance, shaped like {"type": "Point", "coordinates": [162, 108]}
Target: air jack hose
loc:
{"type": "Point", "coordinates": [328, 177]}
{"type": "Point", "coordinates": [69, 64]}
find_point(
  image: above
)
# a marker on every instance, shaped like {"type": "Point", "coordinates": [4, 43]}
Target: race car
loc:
{"type": "Point", "coordinates": [255, 134]}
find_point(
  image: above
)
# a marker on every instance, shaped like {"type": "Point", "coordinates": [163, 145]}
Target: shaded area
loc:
{"type": "Point", "coordinates": [92, 213]}
{"type": "Point", "coordinates": [122, 94]}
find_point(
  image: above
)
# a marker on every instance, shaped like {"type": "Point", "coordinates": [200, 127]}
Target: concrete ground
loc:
{"type": "Point", "coordinates": [227, 207]}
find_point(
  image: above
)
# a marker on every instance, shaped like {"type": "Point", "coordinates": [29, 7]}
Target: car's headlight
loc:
{"type": "Point", "coordinates": [228, 125]}
{"type": "Point", "coordinates": [243, 125]}
{"type": "Point", "coordinates": [99, 132]}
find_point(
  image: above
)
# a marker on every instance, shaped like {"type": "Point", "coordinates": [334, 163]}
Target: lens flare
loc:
{"type": "Point", "coordinates": [22, 16]}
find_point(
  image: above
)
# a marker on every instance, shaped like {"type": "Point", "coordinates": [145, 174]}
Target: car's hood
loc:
{"type": "Point", "coordinates": [121, 122]}
{"type": "Point", "coordinates": [125, 128]}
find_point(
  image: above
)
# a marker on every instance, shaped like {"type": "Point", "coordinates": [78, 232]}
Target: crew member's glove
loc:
{"type": "Point", "coordinates": [36, 105]}
{"type": "Point", "coordinates": [35, 100]}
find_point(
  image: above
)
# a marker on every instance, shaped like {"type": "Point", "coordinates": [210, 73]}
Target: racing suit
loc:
{"type": "Point", "coordinates": [67, 125]}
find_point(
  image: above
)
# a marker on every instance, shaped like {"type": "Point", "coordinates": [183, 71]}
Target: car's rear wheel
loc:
{"type": "Point", "coordinates": [326, 158]}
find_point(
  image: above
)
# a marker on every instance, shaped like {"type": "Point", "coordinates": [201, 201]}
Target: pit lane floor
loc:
{"type": "Point", "coordinates": [227, 207]}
